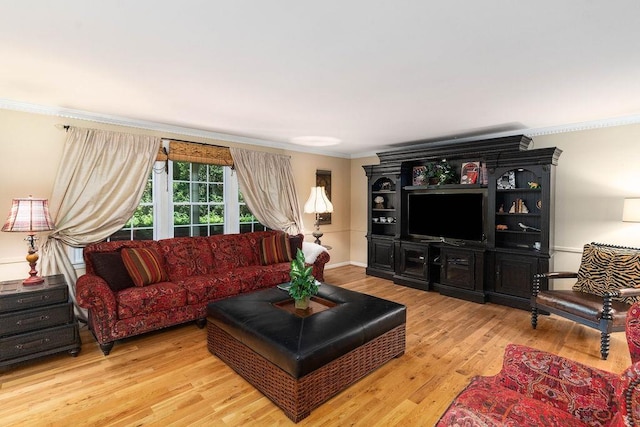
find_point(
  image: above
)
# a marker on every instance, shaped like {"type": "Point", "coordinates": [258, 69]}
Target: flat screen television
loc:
{"type": "Point", "coordinates": [453, 215]}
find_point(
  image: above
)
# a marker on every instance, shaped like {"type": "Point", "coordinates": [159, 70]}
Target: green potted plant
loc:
{"type": "Point", "coordinates": [303, 284]}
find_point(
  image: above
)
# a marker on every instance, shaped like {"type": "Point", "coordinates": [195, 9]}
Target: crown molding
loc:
{"type": "Point", "coordinates": [69, 113]}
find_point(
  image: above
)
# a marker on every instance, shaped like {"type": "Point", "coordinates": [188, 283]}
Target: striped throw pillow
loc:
{"type": "Point", "coordinates": [144, 266]}
{"type": "Point", "coordinates": [275, 249]}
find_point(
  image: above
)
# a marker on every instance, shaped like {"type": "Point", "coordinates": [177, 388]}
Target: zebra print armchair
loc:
{"type": "Point", "coordinates": [607, 284]}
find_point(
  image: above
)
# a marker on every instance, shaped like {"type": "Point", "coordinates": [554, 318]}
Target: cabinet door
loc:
{"type": "Point", "coordinates": [458, 268]}
{"type": "Point", "coordinates": [514, 274]}
{"type": "Point", "coordinates": [381, 254]}
{"type": "Point", "coordinates": [414, 261]}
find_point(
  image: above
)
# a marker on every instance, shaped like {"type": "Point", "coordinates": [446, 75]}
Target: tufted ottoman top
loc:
{"type": "Point", "coordinates": [300, 345]}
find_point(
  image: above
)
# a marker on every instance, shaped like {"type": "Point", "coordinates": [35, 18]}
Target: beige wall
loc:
{"type": "Point", "coordinates": [32, 147]}
{"type": "Point", "coordinates": [336, 235]}
{"type": "Point", "coordinates": [596, 170]}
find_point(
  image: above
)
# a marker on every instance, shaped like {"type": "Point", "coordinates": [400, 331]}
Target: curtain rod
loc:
{"type": "Point", "coordinates": [192, 142]}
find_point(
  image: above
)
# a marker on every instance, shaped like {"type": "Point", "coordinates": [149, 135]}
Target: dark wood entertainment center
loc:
{"type": "Point", "coordinates": [490, 260]}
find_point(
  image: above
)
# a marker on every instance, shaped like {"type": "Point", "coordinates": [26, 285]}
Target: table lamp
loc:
{"type": "Point", "coordinates": [30, 215]}
{"type": "Point", "coordinates": [631, 210]}
{"type": "Point", "coordinates": [318, 203]}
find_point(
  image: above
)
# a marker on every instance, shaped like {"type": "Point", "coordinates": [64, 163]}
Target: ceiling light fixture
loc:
{"type": "Point", "coordinates": [315, 141]}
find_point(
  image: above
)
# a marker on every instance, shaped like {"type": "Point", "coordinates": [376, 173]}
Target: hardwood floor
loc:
{"type": "Point", "coordinates": [169, 377]}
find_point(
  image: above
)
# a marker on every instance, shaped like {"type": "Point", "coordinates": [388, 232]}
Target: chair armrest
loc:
{"type": "Point", "coordinates": [537, 278]}
{"type": "Point", "coordinates": [558, 275]}
{"type": "Point", "coordinates": [559, 382]}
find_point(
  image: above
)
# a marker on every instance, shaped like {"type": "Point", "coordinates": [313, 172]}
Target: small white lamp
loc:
{"type": "Point", "coordinates": [631, 210]}
{"type": "Point", "coordinates": [318, 203]}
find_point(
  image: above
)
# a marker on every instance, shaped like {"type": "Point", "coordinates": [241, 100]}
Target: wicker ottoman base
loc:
{"type": "Point", "coordinates": [298, 396]}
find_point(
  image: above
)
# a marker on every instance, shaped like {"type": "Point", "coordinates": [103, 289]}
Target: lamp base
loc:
{"type": "Point", "coordinates": [317, 235]}
{"type": "Point", "coordinates": [33, 279]}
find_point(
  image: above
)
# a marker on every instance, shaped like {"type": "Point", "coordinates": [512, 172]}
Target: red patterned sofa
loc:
{"type": "Point", "coordinates": [537, 388]}
{"type": "Point", "coordinates": [189, 273]}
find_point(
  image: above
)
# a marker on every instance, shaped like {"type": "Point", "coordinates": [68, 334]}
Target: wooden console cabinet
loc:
{"type": "Point", "coordinates": [36, 321]}
{"type": "Point", "coordinates": [517, 187]}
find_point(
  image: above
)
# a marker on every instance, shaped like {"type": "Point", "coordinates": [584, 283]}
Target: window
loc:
{"type": "Point", "coordinates": [198, 199]}
{"type": "Point", "coordinates": [200, 203]}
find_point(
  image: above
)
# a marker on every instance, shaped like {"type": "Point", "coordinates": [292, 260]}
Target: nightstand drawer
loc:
{"type": "Point", "coordinates": [33, 343]}
{"type": "Point", "coordinates": [33, 298]}
{"type": "Point", "coordinates": [38, 318]}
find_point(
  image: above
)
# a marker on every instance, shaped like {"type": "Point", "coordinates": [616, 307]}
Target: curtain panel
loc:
{"type": "Point", "coordinates": [267, 184]}
{"type": "Point", "coordinates": [99, 184]}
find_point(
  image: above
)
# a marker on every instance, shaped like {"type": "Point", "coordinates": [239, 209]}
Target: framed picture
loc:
{"type": "Point", "coordinates": [469, 173]}
{"type": "Point", "coordinates": [323, 179]}
{"type": "Point", "coordinates": [420, 175]}
{"type": "Point", "coordinates": [507, 181]}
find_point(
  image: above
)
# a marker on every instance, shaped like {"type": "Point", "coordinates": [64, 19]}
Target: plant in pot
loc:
{"type": "Point", "coordinates": [303, 284]}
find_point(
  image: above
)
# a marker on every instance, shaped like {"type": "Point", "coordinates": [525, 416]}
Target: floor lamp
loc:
{"type": "Point", "coordinates": [318, 203]}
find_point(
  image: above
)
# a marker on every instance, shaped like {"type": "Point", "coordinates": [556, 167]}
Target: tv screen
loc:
{"type": "Point", "coordinates": [452, 215]}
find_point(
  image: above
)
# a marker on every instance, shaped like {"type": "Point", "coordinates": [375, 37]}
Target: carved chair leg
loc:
{"type": "Point", "coordinates": [534, 317]}
{"type": "Point", "coordinates": [604, 345]}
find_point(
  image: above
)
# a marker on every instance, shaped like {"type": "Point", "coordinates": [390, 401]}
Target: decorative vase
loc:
{"type": "Point", "coordinates": [302, 304]}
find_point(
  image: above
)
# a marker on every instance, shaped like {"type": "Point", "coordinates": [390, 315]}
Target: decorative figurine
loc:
{"type": "Point", "coordinates": [513, 207]}
{"type": "Point", "coordinates": [501, 209]}
{"type": "Point", "coordinates": [501, 227]}
{"type": "Point", "coordinates": [533, 184]}
{"type": "Point", "coordinates": [379, 201]}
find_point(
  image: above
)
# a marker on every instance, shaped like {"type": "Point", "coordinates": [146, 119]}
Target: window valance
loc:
{"type": "Point", "coordinates": [183, 151]}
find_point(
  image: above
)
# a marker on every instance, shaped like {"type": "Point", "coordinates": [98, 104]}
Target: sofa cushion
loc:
{"type": "Point", "coordinates": [210, 287]}
{"type": "Point", "coordinates": [186, 257]}
{"type": "Point", "coordinates": [295, 242]}
{"type": "Point", "coordinates": [604, 269]}
{"type": "Point", "coordinates": [144, 265]}
{"type": "Point", "coordinates": [110, 267]}
{"type": "Point", "coordinates": [233, 250]}
{"type": "Point", "coordinates": [256, 277]}
{"type": "Point", "coordinates": [483, 403]}
{"type": "Point", "coordinates": [154, 298]}
{"type": "Point", "coordinates": [275, 249]}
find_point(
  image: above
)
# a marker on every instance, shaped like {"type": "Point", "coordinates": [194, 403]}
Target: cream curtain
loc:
{"type": "Point", "coordinates": [266, 182]}
{"type": "Point", "coordinates": [99, 184]}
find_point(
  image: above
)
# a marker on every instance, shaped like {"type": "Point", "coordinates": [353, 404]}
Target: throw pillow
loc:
{"type": "Point", "coordinates": [110, 267]}
{"type": "Point", "coordinates": [604, 269]}
{"type": "Point", "coordinates": [275, 249]}
{"type": "Point", "coordinates": [296, 243]}
{"type": "Point", "coordinates": [144, 266]}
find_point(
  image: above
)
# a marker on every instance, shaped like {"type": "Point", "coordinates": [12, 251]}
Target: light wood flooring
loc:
{"type": "Point", "coordinates": [169, 377]}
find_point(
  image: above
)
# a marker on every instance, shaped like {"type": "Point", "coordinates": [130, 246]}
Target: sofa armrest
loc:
{"type": "Point", "coordinates": [318, 265]}
{"type": "Point", "coordinates": [585, 392]}
{"type": "Point", "coordinates": [93, 293]}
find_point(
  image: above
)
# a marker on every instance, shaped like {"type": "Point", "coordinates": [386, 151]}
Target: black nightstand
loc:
{"type": "Point", "coordinates": [36, 320]}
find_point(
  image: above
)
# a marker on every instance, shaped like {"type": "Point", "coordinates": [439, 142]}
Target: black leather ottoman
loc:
{"type": "Point", "coordinates": [301, 361]}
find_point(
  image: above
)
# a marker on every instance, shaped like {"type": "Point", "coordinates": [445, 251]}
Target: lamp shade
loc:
{"type": "Point", "coordinates": [631, 210]}
{"type": "Point", "coordinates": [318, 201]}
{"type": "Point", "coordinates": [29, 215]}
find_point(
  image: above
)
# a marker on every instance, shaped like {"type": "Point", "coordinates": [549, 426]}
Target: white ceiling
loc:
{"type": "Point", "coordinates": [372, 73]}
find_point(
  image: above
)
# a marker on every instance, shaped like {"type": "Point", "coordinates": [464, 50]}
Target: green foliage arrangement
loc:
{"type": "Point", "coordinates": [303, 284]}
